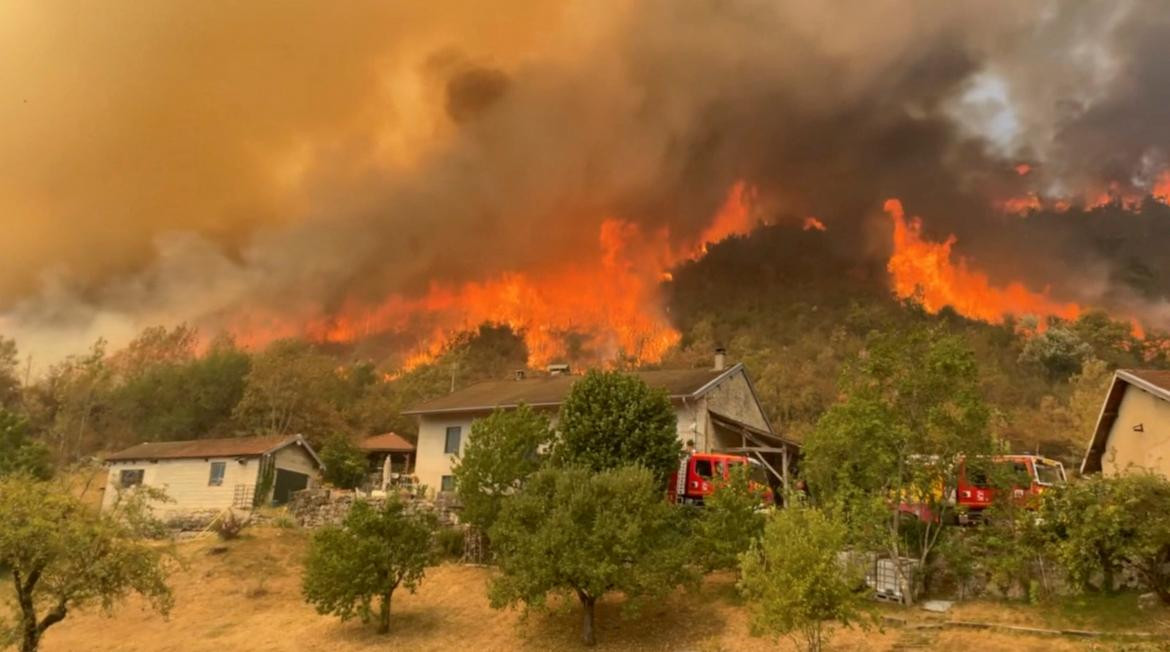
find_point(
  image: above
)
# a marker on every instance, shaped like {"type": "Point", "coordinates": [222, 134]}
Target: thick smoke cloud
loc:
{"type": "Point", "coordinates": [213, 165]}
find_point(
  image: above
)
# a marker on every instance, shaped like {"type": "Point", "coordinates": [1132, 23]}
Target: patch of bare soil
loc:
{"type": "Point", "coordinates": [247, 597]}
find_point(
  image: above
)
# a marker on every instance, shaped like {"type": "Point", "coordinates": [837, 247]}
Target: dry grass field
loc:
{"type": "Point", "coordinates": [248, 598]}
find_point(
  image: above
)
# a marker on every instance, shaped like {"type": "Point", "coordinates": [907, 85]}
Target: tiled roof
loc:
{"type": "Point", "coordinates": [386, 443]}
{"type": "Point", "coordinates": [551, 390]}
{"type": "Point", "coordinates": [227, 447]}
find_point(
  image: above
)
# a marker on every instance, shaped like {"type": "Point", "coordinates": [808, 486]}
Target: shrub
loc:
{"type": "Point", "coordinates": [449, 541]}
{"type": "Point", "coordinates": [229, 526]}
{"type": "Point", "coordinates": [794, 578]}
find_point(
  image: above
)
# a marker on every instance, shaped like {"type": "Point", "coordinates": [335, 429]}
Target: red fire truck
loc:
{"type": "Point", "coordinates": [1029, 476]}
{"type": "Point", "coordinates": [975, 483]}
{"type": "Point", "coordinates": [699, 474]}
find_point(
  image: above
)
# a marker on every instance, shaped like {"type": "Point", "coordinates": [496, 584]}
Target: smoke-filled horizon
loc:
{"type": "Point", "coordinates": [271, 165]}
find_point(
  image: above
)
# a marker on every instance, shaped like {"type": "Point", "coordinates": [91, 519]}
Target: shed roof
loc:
{"type": "Point", "coordinates": [386, 443]}
{"type": "Point", "coordinates": [552, 390]}
{"type": "Point", "coordinates": [196, 448]}
{"type": "Point", "coordinates": [1154, 381]}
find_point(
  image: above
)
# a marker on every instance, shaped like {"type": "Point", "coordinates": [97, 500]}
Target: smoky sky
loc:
{"type": "Point", "coordinates": [188, 162]}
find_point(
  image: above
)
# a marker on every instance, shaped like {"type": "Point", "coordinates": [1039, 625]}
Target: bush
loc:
{"type": "Point", "coordinates": [345, 463]}
{"type": "Point", "coordinates": [449, 541]}
{"type": "Point", "coordinates": [794, 578]}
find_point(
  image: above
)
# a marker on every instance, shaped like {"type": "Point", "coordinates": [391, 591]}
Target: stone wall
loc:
{"type": "Point", "coordinates": [318, 506]}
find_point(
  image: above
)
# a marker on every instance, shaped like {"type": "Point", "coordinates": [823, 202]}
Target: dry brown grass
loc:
{"type": "Point", "coordinates": [222, 603]}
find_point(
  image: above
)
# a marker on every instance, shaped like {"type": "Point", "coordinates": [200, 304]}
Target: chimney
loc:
{"type": "Point", "coordinates": [720, 358]}
{"type": "Point", "coordinates": [558, 370]}
{"type": "Point", "coordinates": [519, 374]}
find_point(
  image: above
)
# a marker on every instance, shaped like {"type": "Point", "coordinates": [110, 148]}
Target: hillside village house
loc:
{"type": "Point", "coordinates": [1133, 429]}
{"type": "Point", "coordinates": [215, 474]}
{"type": "Point", "coordinates": [717, 410]}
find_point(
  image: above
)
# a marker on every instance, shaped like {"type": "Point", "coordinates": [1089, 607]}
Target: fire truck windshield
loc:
{"type": "Point", "coordinates": [1049, 473]}
{"type": "Point", "coordinates": [757, 474]}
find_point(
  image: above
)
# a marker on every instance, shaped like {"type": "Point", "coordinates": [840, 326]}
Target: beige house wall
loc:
{"type": "Point", "coordinates": [1148, 449]}
{"type": "Point", "coordinates": [432, 463]}
{"type": "Point", "coordinates": [295, 458]}
{"type": "Point", "coordinates": [733, 397]}
{"type": "Point", "coordinates": [186, 482]}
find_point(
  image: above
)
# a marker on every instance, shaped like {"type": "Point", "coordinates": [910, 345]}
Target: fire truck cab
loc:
{"type": "Point", "coordinates": [1029, 475]}
{"type": "Point", "coordinates": [699, 474]}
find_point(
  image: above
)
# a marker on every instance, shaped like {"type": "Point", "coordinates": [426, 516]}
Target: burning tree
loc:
{"type": "Point", "coordinates": [911, 406]}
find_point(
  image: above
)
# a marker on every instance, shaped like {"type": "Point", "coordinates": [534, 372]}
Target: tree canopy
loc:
{"type": "Point", "coordinates": [611, 419]}
{"type": "Point", "coordinates": [576, 532]}
{"type": "Point", "coordinates": [373, 553]}
{"type": "Point", "coordinates": [61, 556]}
{"type": "Point", "coordinates": [19, 452]}
{"type": "Point", "coordinates": [502, 451]}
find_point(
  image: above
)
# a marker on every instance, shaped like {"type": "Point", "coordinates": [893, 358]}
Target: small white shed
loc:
{"type": "Point", "coordinates": [215, 474]}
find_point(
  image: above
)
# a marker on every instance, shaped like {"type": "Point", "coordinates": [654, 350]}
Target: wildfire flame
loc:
{"type": "Point", "coordinates": [609, 305]}
{"type": "Point", "coordinates": [925, 270]}
{"type": "Point", "coordinates": [813, 224]}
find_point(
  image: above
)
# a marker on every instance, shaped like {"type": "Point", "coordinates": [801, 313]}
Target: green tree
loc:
{"type": "Point", "coordinates": [573, 532]}
{"type": "Point", "coordinates": [1089, 526]}
{"type": "Point", "coordinates": [503, 450]}
{"type": "Point", "coordinates": [1058, 351]}
{"type": "Point", "coordinates": [912, 403]}
{"type": "Point", "coordinates": [10, 385]}
{"type": "Point", "coordinates": [795, 580]}
{"type": "Point", "coordinates": [19, 453]}
{"type": "Point", "coordinates": [61, 556]}
{"type": "Point", "coordinates": [375, 551]}
{"type": "Point", "coordinates": [1148, 547]}
{"type": "Point", "coordinates": [345, 463]}
{"type": "Point", "coordinates": [729, 522]}
{"type": "Point", "coordinates": [611, 419]}
{"type": "Point", "coordinates": [292, 388]}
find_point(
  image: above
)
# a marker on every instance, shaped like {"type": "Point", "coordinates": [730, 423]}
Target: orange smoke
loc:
{"type": "Point", "coordinates": [608, 306]}
{"type": "Point", "coordinates": [924, 270]}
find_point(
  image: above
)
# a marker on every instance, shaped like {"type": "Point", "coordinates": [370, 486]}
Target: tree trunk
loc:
{"type": "Point", "coordinates": [384, 615]}
{"type": "Point", "coordinates": [587, 604]}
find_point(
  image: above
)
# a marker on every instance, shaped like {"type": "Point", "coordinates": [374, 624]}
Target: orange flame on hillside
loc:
{"type": "Point", "coordinates": [812, 224]}
{"type": "Point", "coordinates": [609, 305]}
{"type": "Point", "coordinates": [925, 270]}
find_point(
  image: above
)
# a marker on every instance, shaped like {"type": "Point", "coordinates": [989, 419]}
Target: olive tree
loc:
{"type": "Point", "coordinates": [572, 532]}
{"type": "Point", "coordinates": [61, 555]}
{"type": "Point", "coordinates": [611, 419]}
{"type": "Point", "coordinates": [375, 551]}
{"type": "Point", "coordinates": [795, 579]}
{"type": "Point", "coordinates": [503, 450]}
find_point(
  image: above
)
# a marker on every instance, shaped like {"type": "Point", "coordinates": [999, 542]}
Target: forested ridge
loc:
{"type": "Point", "coordinates": [791, 305]}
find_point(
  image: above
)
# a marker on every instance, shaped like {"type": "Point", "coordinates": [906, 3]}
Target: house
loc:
{"type": "Point", "coordinates": [215, 474]}
{"type": "Point", "coordinates": [390, 456]}
{"type": "Point", "coordinates": [1133, 428]}
{"type": "Point", "coordinates": [716, 409]}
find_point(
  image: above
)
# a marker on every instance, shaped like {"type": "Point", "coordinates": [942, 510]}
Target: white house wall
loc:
{"type": "Point", "coordinates": [1147, 448]}
{"type": "Point", "coordinates": [186, 482]}
{"type": "Point", "coordinates": [733, 397]}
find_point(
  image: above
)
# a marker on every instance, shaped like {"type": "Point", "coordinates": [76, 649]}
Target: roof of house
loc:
{"type": "Point", "coordinates": [1154, 381]}
{"type": "Point", "coordinates": [386, 443]}
{"type": "Point", "coordinates": [552, 390]}
{"type": "Point", "coordinates": [203, 448]}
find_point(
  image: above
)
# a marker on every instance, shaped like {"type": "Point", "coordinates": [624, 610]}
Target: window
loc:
{"type": "Point", "coordinates": [703, 468]}
{"type": "Point", "coordinates": [451, 445]}
{"type": "Point", "coordinates": [130, 478]}
{"type": "Point", "coordinates": [217, 470]}
{"type": "Point", "coordinates": [447, 483]}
